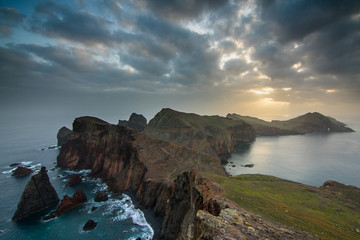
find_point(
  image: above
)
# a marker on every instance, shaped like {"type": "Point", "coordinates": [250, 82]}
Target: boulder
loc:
{"type": "Point", "coordinates": [21, 171]}
{"type": "Point", "coordinates": [75, 179]}
{"type": "Point", "coordinates": [38, 194]}
{"type": "Point", "coordinates": [89, 225]}
{"type": "Point", "coordinates": [101, 197]}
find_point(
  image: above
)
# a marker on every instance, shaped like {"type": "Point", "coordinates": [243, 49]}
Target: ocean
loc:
{"type": "Point", "coordinates": [310, 159]}
{"type": "Point", "coordinates": [27, 142]}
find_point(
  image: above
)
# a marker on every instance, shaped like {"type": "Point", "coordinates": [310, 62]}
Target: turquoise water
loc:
{"type": "Point", "coordinates": [310, 159]}
{"type": "Point", "coordinates": [21, 142]}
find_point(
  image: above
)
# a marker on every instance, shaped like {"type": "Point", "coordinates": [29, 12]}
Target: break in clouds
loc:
{"type": "Point", "coordinates": [288, 51]}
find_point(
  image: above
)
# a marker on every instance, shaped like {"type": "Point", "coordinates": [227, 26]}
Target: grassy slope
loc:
{"type": "Point", "coordinates": [320, 212]}
{"type": "Point", "coordinates": [168, 118]}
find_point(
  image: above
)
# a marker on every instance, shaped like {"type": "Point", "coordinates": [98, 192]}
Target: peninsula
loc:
{"type": "Point", "coordinates": [174, 167]}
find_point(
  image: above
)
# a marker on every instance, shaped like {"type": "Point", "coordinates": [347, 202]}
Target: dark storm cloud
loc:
{"type": "Point", "coordinates": [59, 21]}
{"type": "Point", "coordinates": [181, 9]}
{"type": "Point", "coordinates": [323, 36]}
{"type": "Point", "coordinates": [198, 68]}
{"type": "Point", "coordinates": [9, 18]}
{"type": "Point", "coordinates": [294, 20]}
{"type": "Point", "coordinates": [163, 31]}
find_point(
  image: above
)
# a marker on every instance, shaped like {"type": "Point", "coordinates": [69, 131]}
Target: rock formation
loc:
{"type": "Point", "coordinates": [308, 123]}
{"type": "Point", "coordinates": [75, 179]}
{"type": "Point", "coordinates": [38, 195]}
{"type": "Point", "coordinates": [89, 225]}
{"type": "Point", "coordinates": [213, 135]}
{"type": "Point", "coordinates": [68, 203]}
{"type": "Point", "coordinates": [63, 135]}
{"type": "Point", "coordinates": [136, 121]}
{"type": "Point", "coordinates": [21, 171]}
{"type": "Point", "coordinates": [164, 176]}
{"type": "Point", "coordinates": [101, 197]}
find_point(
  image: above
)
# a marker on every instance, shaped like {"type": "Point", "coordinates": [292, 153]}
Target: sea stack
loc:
{"type": "Point", "coordinates": [38, 195]}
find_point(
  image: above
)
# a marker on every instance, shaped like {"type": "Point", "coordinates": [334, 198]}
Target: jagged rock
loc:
{"type": "Point", "coordinates": [93, 209]}
{"type": "Point", "coordinates": [21, 171]}
{"type": "Point", "coordinates": [63, 135]}
{"type": "Point", "coordinates": [89, 225]}
{"type": "Point", "coordinates": [75, 179]}
{"type": "Point", "coordinates": [38, 195]}
{"type": "Point", "coordinates": [101, 197]}
{"type": "Point", "coordinates": [68, 203]}
{"type": "Point", "coordinates": [136, 121]}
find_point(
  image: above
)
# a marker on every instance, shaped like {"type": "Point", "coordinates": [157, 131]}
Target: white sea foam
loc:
{"type": "Point", "coordinates": [26, 163]}
{"type": "Point", "coordinates": [122, 209]}
{"type": "Point", "coordinates": [81, 172]}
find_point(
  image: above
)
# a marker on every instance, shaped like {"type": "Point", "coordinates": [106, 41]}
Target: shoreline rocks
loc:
{"type": "Point", "coordinates": [21, 171]}
{"type": "Point", "coordinates": [90, 225]}
{"type": "Point", "coordinates": [101, 197]}
{"type": "Point", "coordinates": [75, 179]}
{"type": "Point", "coordinates": [68, 203]}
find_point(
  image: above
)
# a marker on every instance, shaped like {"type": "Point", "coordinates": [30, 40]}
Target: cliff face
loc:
{"type": "Point", "coordinates": [38, 195]}
{"type": "Point", "coordinates": [213, 135]}
{"type": "Point", "coordinates": [307, 123]}
{"type": "Point", "coordinates": [136, 121]}
{"type": "Point", "coordinates": [164, 176]}
{"type": "Point", "coordinates": [127, 160]}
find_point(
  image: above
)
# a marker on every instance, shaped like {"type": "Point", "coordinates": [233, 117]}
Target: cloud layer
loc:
{"type": "Point", "coordinates": [304, 51]}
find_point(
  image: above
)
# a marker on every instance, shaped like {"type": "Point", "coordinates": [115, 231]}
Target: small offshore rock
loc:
{"type": "Point", "coordinates": [93, 209]}
{"type": "Point", "coordinates": [75, 179]}
{"type": "Point", "coordinates": [89, 225]}
{"type": "Point", "coordinates": [101, 197]}
{"type": "Point", "coordinates": [21, 171]}
{"type": "Point", "coordinates": [14, 164]}
{"type": "Point", "coordinates": [250, 165]}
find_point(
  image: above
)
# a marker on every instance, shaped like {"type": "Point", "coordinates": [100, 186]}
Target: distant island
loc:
{"type": "Point", "coordinates": [173, 166]}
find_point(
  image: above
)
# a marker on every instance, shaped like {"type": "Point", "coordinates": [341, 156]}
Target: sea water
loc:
{"type": "Point", "coordinates": [310, 159]}
{"type": "Point", "coordinates": [26, 142]}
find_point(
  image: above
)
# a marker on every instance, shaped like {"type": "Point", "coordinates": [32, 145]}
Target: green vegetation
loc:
{"type": "Point", "coordinates": [325, 213]}
{"type": "Point", "coordinates": [168, 118]}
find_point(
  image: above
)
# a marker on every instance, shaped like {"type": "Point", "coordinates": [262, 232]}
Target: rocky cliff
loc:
{"type": "Point", "coordinates": [165, 177]}
{"type": "Point", "coordinates": [213, 135]}
{"type": "Point", "coordinates": [38, 194]}
{"type": "Point", "coordinates": [63, 135]}
{"type": "Point", "coordinates": [136, 121]}
{"type": "Point", "coordinates": [307, 123]}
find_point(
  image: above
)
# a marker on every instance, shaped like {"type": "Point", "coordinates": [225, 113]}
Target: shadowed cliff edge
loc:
{"type": "Point", "coordinates": [182, 181]}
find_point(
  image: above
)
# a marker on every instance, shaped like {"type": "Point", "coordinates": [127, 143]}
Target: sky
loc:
{"type": "Point", "coordinates": [270, 59]}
